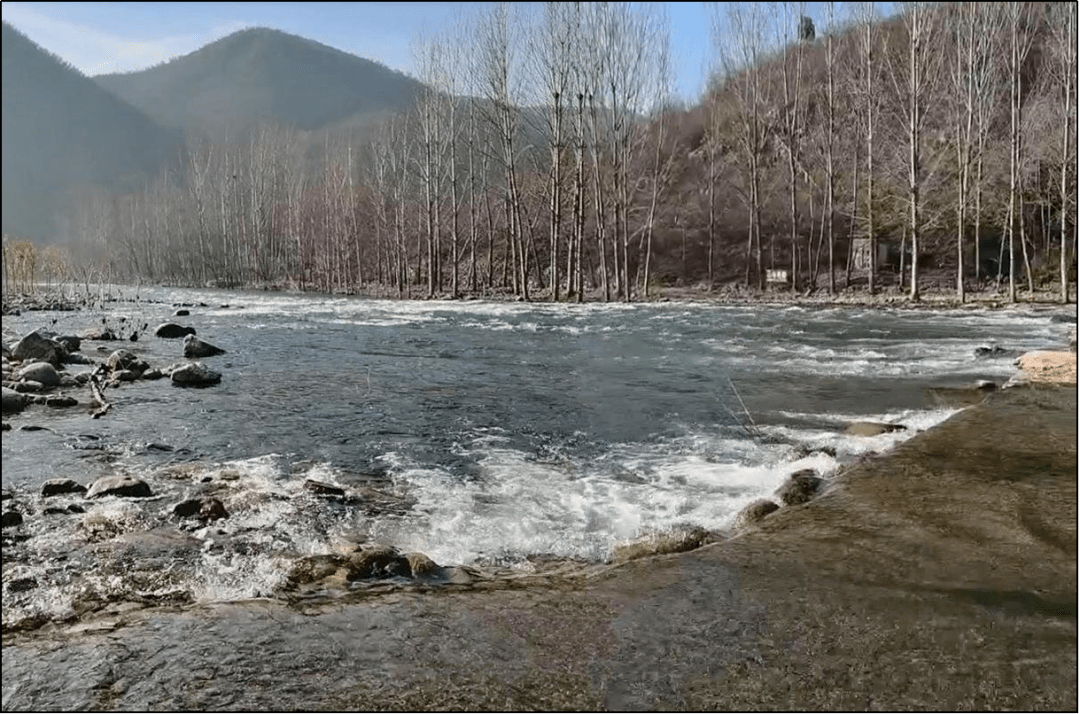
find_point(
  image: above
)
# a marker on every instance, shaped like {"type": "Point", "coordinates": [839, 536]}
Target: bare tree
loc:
{"type": "Point", "coordinates": [914, 81]}
{"type": "Point", "coordinates": [786, 16]}
{"type": "Point", "coordinates": [1020, 18]}
{"type": "Point", "coordinates": [1063, 30]}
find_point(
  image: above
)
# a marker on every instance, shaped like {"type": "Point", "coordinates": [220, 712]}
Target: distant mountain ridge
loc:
{"type": "Point", "coordinates": [61, 130]}
{"type": "Point", "coordinates": [261, 74]}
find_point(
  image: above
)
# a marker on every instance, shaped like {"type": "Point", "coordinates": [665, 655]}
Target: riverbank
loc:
{"type": "Point", "coordinates": [939, 576]}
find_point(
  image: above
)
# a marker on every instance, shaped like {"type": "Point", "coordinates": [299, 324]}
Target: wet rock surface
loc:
{"type": "Point", "coordinates": [125, 486]}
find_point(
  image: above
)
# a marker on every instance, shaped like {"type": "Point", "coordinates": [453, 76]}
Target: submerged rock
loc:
{"type": "Point", "coordinates": [422, 566]}
{"type": "Point", "coordinates": [128, 486]}
{"type": "Point", "coordinates": [989, 351]}
{"type": "Point", "coordinates": [323, 489]}
{"type": "Point", "coordinates": [800, 487]}
{"type": "Point", "coordinates": [102, 334]}
{"type": "Point", "coordinates": [194, 347]}
{"type": "Point", "coordinates": [871, 428]}
{"type": "Point", "coordinates": [313, 568]}
{"type": "Point", "coordinates": [754, 512]}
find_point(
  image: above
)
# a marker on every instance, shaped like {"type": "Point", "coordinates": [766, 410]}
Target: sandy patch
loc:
{"type": "Point", "coordinates": [1046, 367]}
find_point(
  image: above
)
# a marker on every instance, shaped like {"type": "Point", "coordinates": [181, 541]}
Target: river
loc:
{"type": "Point", "coordinates": [499, 433]}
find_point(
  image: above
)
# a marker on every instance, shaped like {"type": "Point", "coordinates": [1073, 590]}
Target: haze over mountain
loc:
{"type": "Point", "coordinates": [261, 74]}
{"type": "Point", "coordinates": [60, 131]}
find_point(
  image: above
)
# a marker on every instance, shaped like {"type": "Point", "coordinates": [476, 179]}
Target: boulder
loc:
{"type": "Point", "coordinates": [60, 401]}
{"type": "Point", "coordinates": [58, 486]}
{"type": "Point", "coordinates": [194, 347]}
{"type": "Point", "coordinates": [78, 358]}
{"type": "Point", "coordinates": [202, 509]}
{"type": "Point", "coordinates": [41, 372]}
{"type": "Point", "coordinates": [128, 486]}
{"type": "Point", "coordinates": [36, 347]}
{"type": "Point", "coordinates": [126, 360]}
{"type": "Point", "coordinates": [153, 373]}
{"type": "Point", "coordinates": [800, 487]}
{"type": "Point", "coordinates": [377, 561]}
{"type": "Point", "coordinates": [871, 428]}
{"type": "Point", "coordinates": [124, 375]}
{"type": "Point", "coordinates": [171, 331]}
{"type": "Point", "coordinates": [195, 374]}
{"type": "Point", "coordinates": [29, 385]}
{"type": "Point", "coordinates": [11, 518]}
{"type": "Point", "coordinates": [13, 402]}
{"type": "Point", "coordinates": [755, 512]}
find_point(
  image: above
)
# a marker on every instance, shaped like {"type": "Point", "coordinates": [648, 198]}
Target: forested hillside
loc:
{"type": "Point", "coordinates": [63, 133]}
{"type": "Point", "coordinates": [845, 148]}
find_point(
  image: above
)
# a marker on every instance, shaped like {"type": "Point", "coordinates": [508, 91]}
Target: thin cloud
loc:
{"type": "Point", "coordinates": [94, 52]}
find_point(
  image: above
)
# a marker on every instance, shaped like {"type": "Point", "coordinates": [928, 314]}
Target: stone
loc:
{"type": "Point", "coordinates": [36, 347]}
{"type": "Point", "coordinates": [313, 568]}
{"type": "Point", "coordinates": [42, 372]}
{"type": "Point", "coordinates": [29, 385]}
{"type": "Point", "coordinates": [678, 540]}
{"type": "Point", "coordinates": [126, 360]}
{"type": "Point", "coordinates": [194, 347]}
{"type": "Point", "coordinates": [422, 566]}
{"type": "Point", "coordinates": [60, 401]}
{"type": "Point", "coordinates": [127, 486]}
{"type": "Point", "coordinates": [202, 509]}
{"type": "Point", "coordinates": [800, 487]}
{"type": "Point", "coordinates": [378, 561]}
{"type": "Point", "coordinates": [58, 486]}
{"type": "Point", "coordinates": [871, 428]}
{"type": "Point", "coordinates": [78, 358]}
{"type": "Point", "coordinates": [195, 374]}
{"type": "Point", "coordinates": [170, 330]}
{"type": "Point", "coordinates": [153, 373]}
{"type": "Point", "coordinates": [181, 313]}
{"type": "Point", "coordinates": [755, 512]}
{"type": "Point", "coordinates": [11, 518]}
{"type": "Point", "coordinates": [124, 375]}
{"type": "Point", "coordinates": [102, 334]}
{"type": "Point", "coordinates": [989, 351]}
{"type": "Point", "coordinates": [323, 489]}
{"type": "Point", "coordinates": [13, 402]}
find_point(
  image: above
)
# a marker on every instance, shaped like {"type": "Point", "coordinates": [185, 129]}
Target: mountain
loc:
{"type": "Point", "coordinates": [261, 74]}
{"type": "Point", "coordinates": [62, 131]}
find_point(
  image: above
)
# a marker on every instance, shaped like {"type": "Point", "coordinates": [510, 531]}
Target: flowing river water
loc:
{"type": "Point", "coordinates": [494, 436]}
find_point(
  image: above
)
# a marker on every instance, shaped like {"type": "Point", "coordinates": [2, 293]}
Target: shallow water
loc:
{"type": "Point", "coordinates": [497, 432]}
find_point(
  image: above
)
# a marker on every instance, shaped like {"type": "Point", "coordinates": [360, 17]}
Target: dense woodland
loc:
{"type": "Point", "coordinates": [543, 156]}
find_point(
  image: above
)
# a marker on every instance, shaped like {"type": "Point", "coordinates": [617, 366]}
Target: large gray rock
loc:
{"type": "Point", "coordinates": [171, 331]}
{"type": "Point", "coordinates": [36, 347]}
{"type": "Point", "coordinates": [103, 334]}
{"type": "Point", "coordinates": [195, 374]}
{"type": "Point", "coordinates": [42, 372]}
{"type": "Point", "coordinates": [800, 487]}
{"type": "Point", "coordinates": [120, 486]}
{"type": "Point", "coordinates": [125, 360]}
{"type": "Point", "coordinates": [14, 402]}
{"type": "Point", "coordinates": [58, 486]}
{"type": "Point", "coordinates": [12, 518]}
{"type": "Point", "coordinates": [194, 347]}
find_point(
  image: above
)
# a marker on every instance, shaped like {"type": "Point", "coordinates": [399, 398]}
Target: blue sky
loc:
{"type": "Point", "coordinates": [102, 37]}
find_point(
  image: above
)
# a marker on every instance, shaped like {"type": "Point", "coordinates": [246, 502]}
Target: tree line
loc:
{"type": "Point", "coordinates": [548, 158]}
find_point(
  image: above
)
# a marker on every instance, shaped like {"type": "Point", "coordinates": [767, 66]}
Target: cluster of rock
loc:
{"type": "Point", "coordinates": [800, 487]}
{"type": "Point", "coordinates": [35, 367]}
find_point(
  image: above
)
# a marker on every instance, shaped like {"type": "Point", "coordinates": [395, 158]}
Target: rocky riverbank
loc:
{"type": "Point", "coordinates": [939, 576]}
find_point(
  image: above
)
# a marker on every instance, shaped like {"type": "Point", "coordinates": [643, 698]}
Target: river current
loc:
{"type": "Point", "coordinates": [497, 432]}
